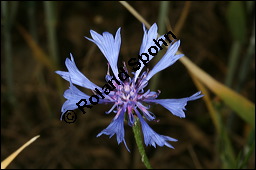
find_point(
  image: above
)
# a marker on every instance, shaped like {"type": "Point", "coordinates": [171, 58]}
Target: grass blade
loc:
{"type": "Point", "coordinates": [10, 158]}
{"type": "Point", "coordinates": [242, 106]}
{"type": "Point", "coordinates": [135, 13]}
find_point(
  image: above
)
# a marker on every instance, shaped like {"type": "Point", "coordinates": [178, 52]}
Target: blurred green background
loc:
{"type": "Point", "coordinates": [37, 37]}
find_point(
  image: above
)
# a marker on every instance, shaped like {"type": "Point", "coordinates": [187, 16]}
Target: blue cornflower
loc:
{"type": "Point", "coordinates": [128, 96]}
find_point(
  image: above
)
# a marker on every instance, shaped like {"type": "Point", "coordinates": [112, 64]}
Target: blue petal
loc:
{"type": "Point", "coordinates": [147, 42]}
{"type": "Point", "coordinates": [167, 60]}
{"type": "Point", "coordinates": [74, 93]}
{"type": "Point", "coordinates": [148, 37]}
{"type": "Point", "coordinates": [130, 106]}
{"type": "Point", "coordinates": [109, 46]}
{"type": "Point", "coordinates": [75, 75]}
{"type": "Point", "coordinates": [149, 115]}
{"type": "Point", "coordinates": [68, 105]}
{"type": "Point", "coordinates": [116, 127]}
{"type": "Point", "coordinates": [73, 96]}
{"type": "Point", "coordinates": [151, 137]}
{"type": "Point", "coordinates": [176, 106]}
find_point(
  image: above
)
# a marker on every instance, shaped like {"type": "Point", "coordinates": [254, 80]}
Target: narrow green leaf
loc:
{"type": "Point", "coordinates": [242, 106]}
{"type": "Point", "coordinates": [236, 20]}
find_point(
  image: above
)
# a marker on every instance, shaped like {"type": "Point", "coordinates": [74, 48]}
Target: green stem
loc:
{"type": "Point", "coordinates": [7, 48]}
{"type": "Point", "coordinates": [163, 13]}
{"type": "Point", "coordinates": [51, 21]}
{"type": "Point", "coordinates": [137, 134]}
{"type": "Point", "coordinates": [233, 61]}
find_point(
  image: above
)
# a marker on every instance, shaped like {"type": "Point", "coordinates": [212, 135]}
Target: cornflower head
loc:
{"type": "Point", "coordinates": [127, 95]}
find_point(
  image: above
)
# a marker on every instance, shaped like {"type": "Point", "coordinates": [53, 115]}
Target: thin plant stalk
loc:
{"type": "Point", "coordinates": [182, 18]}
{"type": "Point", "coordinates": [41, 79]}
{"type": "Point", "coordinates": [51, 29]}
{"type": "Point", "coordinates": [32, 19]}
{"type": "Point", "coordinates": [7, 47]}
{"type": "Point", "coordinates": [163, 12]}
{"type": "Point", "coordinates": [137, 134]}
{"type": "Point", "coordinates": [233, 61]}
{"type": "Point", "coordinates": [243, 70]}
{"type": "Point", "coordinates": [135, 13]}
{"type": "Point", "coordinates": [51, 21]}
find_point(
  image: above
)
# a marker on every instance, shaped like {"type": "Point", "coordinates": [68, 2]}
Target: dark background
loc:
{"type": "Point", "coordinates": [32, 94]}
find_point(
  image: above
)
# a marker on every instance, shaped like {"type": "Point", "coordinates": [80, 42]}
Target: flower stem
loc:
{"type": "Point", "coordinates": [137, 134]}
